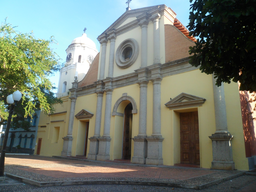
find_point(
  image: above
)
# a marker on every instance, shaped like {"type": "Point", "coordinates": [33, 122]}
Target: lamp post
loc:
{"type": "Point", "coordinates": [11, 100]}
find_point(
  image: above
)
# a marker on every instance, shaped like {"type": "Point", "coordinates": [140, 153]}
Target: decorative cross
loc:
{"type": "Point", "coordinates": [84, 29]}
{"type": "Point", "coordinates": [128, 2]}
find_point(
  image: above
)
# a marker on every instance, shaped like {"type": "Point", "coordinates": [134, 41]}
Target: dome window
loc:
{"type": "Point", "coordinates": [69, 56]}
{"type": "Point", "coordinates": [64, 87]}
{"type": "Point", "coordinates": [79, 58]}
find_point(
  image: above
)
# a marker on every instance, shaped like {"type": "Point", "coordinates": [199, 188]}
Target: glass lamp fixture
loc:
{"type": "Point", "coordinates": [9, 99]}
{"type": "Point", "coordinates": [17, 95]}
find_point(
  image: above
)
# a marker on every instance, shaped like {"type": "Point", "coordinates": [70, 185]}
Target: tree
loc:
{"type": "Point", "coordinates": [226, 45]}
{"type": "Point", "coordinates": [25, 65]}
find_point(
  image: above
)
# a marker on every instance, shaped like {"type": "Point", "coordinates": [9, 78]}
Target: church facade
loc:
{"type": "Point", "coordinates": [142, 101]}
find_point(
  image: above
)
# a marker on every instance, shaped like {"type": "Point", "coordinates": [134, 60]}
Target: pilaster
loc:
{"type": "Point", "coordinates": [104, 148]}
{"type": "Point", "coordinates": [104, 141]}
{"type": "Point", "coordinates": [94, 147]}
{"type": "Point", "coordinates": [154, 142]}
{"type": "Point", "coordinates": [154, 153]}
{"type": "Point", "coordinates": [67, 144]}
{"type": "Point", "coordinates": [94, 141]}
{"type": "Point", "coordinates": [155, 19]}
{"type": "Point", "coordinates": [140, 143]}
{"type": "Point", "coordinates": [144, 41]}
{"type": "Point", "coordinates": [140, 149]}
{"type": "Point", "coordinates": [112, 38]}
{"type": "Point", "coordinates": [103, 41]}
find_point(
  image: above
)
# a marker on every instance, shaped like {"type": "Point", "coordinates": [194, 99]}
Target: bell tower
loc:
{"type": "Point", "coordinates": [80, 54]}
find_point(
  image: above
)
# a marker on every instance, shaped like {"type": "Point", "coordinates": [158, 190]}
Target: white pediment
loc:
{"type": "Point", "coordinates": [84, 114]}
{"type": "Point", "coordinates": [184, 100]}
{"type": "Point", "coordinates": [128, 20]}
{"type": "Point", "coordinates": [131, 17]}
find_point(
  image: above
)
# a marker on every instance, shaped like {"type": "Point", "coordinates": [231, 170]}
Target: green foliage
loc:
{"type": "Point", "coordinates": [25, 65]}
{"type": "Point", "coordinates": [226, 46]}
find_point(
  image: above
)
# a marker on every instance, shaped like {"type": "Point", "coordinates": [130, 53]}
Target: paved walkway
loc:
{"type": "Point", "coordinates": [48, 171]}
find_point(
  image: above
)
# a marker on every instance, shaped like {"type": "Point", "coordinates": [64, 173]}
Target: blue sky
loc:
{"type": "Point", "coordinates": [65, 19]}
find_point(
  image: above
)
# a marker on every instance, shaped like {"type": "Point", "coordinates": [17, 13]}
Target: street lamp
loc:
{"type": "Point", "coordinates": [11, 100]}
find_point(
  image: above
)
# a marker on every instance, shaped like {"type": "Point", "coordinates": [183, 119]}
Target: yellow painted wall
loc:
{"type": "Point", "coordinates": [47, 125]}
{"type": "Point", "coordinates": [235, 125]}
{"type": "Point", "coordinates": [199, 84]}
{"type": "Point", "coordinates": [87, 102]}
{"type": "Point", "coordinates": [116, 128]}
{"type": "Point", "coordinates": [194, 83]}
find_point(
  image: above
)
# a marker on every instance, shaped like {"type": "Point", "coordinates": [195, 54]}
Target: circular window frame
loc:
{"type": "Point", "coordinates": [120, 61]}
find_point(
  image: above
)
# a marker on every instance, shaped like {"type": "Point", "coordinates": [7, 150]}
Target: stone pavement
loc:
{"type": "Point", "coordinates": [48, 171]}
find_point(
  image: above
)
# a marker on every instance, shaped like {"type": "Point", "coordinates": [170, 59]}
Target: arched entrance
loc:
{"type": "Point", "coordinates": [127, 133]}
{"type": "Point", "coordinates": [124, 110]}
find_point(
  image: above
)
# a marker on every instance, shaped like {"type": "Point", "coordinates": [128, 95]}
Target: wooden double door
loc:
{"type": "Point", "coordinates": [189, 138]}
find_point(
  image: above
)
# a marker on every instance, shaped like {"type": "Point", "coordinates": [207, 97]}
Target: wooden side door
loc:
{"type": "Point", "coordinates": [86, 138]}
{"type": "Point", "coordinates": [39, 146]}
{"type": "Point", "coordinates": [189, 138]}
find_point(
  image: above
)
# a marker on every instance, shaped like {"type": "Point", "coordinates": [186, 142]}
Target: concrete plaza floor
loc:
{"type": "Point", "coordinates": [58, 172]}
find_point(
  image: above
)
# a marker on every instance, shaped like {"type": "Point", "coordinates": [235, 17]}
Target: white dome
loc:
{"type": "Point", "coordinates": [84, 40]}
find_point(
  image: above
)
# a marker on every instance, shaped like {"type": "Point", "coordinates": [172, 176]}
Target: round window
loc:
{"type": "Point", "coordinates": [127, 53]}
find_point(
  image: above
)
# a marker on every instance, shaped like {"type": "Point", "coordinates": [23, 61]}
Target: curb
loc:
{"type": "Point", "coordinates": [120, 182]}
{"type": "Point", "coordinates": [219, 181]}
{"type": "Point", "coordinates": [95, 182]}
{"type": "Point", "coordinates": [250, 173]}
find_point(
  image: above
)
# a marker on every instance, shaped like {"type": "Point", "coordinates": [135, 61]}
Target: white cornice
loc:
{"type": "Point", "coordinates": [164, 70]}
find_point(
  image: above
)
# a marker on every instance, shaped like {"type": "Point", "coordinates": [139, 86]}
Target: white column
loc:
{"type": "Point", "coordinates": [94, 141]}
{"type": "Point", "coordinates": [104, 141]}
{"type": "Point", "coordinates": [67, 144]}
{"type": "Point", "coordinates": [143, 108]}
{"type": "Point", "coordinates": [144, 42]}
{"type": "Point", "coordinates": [107, 113]}
{"type": "Point", "coordinates": [221, 139]}
{"type": "Point", "coordinates": [103, 43]}
{"type": "Point", "coordinates": [220, 108]}
{"type": "Point", "coordinates": [112, 39]}
{"type": "Point", "coordinates": [155, 19]}
{"type": "Point", "coordinates": [157, 106]}
{"type": "Point", "coordinates": [98, 114]}
{"type": "Point", "coordinates": [71, 115]}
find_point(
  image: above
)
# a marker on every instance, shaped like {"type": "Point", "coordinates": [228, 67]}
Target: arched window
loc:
{"type": "Point", "coordinates": [25, 143]}
{"type": "Point", "coordinates": [12, 141]}
{"type": "Point", "coordinates": [64, 87]}
{"type": "Point", "coordinates": [79, 58]}
{"type": "Point", "coordinates": [34, 120]}
{"type": "Point", "coordinates": [20, 137]}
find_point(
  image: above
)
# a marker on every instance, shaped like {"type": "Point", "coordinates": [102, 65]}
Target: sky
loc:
{"type": "Point", "coordinates": [66, 19]}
